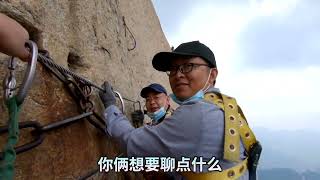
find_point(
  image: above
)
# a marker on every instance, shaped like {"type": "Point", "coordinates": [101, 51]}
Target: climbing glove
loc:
{"type": "Point", "coordinates": [137, 117]}
{"type": "Point", "coordinates": [107, 97]}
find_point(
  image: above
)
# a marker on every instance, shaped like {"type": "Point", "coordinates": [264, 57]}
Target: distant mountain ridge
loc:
{"type": "Point", "coordinates": [298, 150]}
{"type": "Point", "coordinates": [287, 174]}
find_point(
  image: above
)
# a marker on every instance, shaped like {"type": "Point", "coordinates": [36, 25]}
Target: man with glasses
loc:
{"type": "Point", "coordinates": [157, 102]}
{"type": "Point", "coordinates": [158, 108]}
{"type": "Point", "coordinates": [207, 125]}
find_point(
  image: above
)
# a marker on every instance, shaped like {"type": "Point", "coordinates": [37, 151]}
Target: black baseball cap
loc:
{"type": "Point", "coordinates": [152, 87]}
{"type": "Point", "coordinates": [162, 60]}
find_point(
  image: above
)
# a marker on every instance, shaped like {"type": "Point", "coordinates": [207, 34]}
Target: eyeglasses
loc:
{"type": "Point", "coordinates": [155, 98]}
{"type": "Point", "coordinates": [183, 68]}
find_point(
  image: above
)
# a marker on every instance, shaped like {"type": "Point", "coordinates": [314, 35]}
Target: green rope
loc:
{"type": "Point", "coordinates": [7, 164]}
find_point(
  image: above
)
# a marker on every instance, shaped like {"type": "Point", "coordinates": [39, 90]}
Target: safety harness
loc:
{"type": "Point", "coordinates": [236, 127]}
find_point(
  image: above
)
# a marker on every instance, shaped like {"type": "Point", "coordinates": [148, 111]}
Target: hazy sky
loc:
{"type": "Point", "coordinates": [267, 53]}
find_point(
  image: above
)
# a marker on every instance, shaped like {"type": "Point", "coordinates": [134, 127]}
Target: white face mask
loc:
{"type": "Point", "coordinates": [205, 89]}
{"type": "Point", "coordinates": [199, 95]}
{"type": "Point", "coordinates": [158, 114]}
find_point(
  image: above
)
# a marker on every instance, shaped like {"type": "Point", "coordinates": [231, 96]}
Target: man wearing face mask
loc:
{"type": "Point", "coordinates": [157, 102]}
{"type": "Point", "coordinates": [207, 123]}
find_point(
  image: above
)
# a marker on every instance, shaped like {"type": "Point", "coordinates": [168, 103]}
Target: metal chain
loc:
{"type": "Point", "coordinates": [49, 61]}
{"type": "Point", "coordinates": [39, 131]}
{"type": "Point", "coordinates": [79, 88]}
{"type": "Point", "coordinates": [45, 59]}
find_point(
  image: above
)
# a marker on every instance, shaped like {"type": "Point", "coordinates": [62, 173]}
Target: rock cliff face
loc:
{"type": "Point", "coordinates": [111, 40]}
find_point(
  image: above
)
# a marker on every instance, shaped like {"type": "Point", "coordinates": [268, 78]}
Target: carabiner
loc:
{"type": "Point", "coordinates": [30, 72]}
{"type": "Point", "coordinates": [139, 105]}
{"type": "Point", "coordinates": [9, 82]}
{"type": "Point", "coordinates": [121, 100]}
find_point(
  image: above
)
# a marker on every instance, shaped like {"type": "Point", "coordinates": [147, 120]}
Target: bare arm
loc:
{"type": "Point", "coordinates": [12, 38]}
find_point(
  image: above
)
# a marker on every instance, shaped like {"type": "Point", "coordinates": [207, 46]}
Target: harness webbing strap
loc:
{"type": "Point", "coordinates": [236, 127]}
{"type": "Point", "coordinates": [232, 173]}
{"type": "Point", "coordinates": [231, 129]}
{"type": "Point", "coordinates": [246, 134]}
{"type": "Point", "coordinates": [7, 164]}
